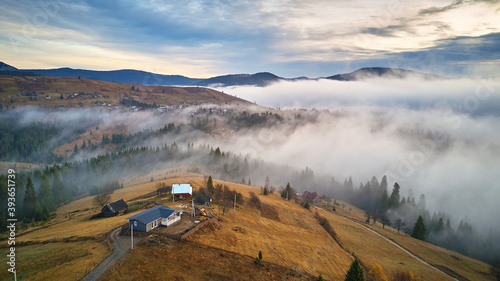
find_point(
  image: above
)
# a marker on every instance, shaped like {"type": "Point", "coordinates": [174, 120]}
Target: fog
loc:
{"type": "Point", "coordinates": [441, 138]}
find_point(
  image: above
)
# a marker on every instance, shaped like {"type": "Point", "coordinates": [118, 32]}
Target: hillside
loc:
{"type": "Point", "coordinates": [382, 72]}
{"type": "Point", "coordinates": [290, 237]}
{"type": "Point", "coordinates": [67, 92]}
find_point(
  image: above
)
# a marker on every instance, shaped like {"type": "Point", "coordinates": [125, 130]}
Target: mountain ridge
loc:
{"type": "Point", "coordinates": [259, 79]}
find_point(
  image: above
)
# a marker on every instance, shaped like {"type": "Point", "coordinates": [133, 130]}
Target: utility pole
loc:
{"type": "Point", "coordinates": [286, 197]}
{"type": "Point", "coordinates": [132, 234]}
{"type": "Point", "coordinates": [193, 212]}
{"type": "Point", "coordinates": [173, 196]}
{"type": "Point", "coordinates": [262, 198]}
{"type": "Point", "coordinates": [234, 202]}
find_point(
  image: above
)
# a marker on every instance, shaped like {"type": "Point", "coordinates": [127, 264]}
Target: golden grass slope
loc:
{"type": "Point", "coordinates": [161, 259]}
{"type": "Point", "coordinates": [12, 86]}
{"type": "Point", "coordinates": [296, 242]}
{"type": "Point", "coordinates": [376, 250]}
{"type": "Point", "coordinates": [56, 261]}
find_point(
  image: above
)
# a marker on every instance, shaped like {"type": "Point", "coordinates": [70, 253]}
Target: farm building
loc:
{"type": "Point", "coordinates": [311, 197]}
{"type": "Point", "coordinates": [164, 191]}
{"type": "Point", "coordinates": [182, 191]}
{"type": "Point", "coordinates": [154, 217]}
{"type": "Point", "coordinates": [202, 201]}
{"type": "Point", "coordinates": [114, 208]}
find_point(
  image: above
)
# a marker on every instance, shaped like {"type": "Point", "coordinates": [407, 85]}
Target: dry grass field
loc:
{"type": "Point", "coordinates": [54, 87]}
{"type": "Point", "coordinates": [289, 237]}
{"type": "Point", "coordinates": [454, 262]}
{"type": "Point", "coordinates": [297, 241]}
{"type": "Point", "coordinates": [161, 259]}
{"type": "Point", "coordinates": [372, 249]}
{"type": "Point", "coordinates": [56, 261]}
{"type": "Point", "coordinates": [467, 267]}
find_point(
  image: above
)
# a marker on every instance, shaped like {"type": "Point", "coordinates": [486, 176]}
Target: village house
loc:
{"type": "Point", "coordinates": [114, 208]}
{"type": "Point", "coordinates": [182, 191]}
{"type": "Point", "coordinates": [154, 217]}
{"type": "Point", "coordinates": [311, 197]}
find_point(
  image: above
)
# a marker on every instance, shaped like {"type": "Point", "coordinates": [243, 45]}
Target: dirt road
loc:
{"type": "Point", "coordinates": [121, 245]}
{"type": "Point", "coordinates": [397, 245]}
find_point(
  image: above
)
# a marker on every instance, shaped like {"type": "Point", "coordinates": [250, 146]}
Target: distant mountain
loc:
{"type": "Point", "coordinates": [260, 79]}
{"type": "Point", "coordinates": [6, 67]}
{"type": "Point", "coordinates": [385, 72]}
{"type": "Point", "coordinates": [128, 76]}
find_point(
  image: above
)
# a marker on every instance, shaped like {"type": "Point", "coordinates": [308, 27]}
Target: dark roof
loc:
{"type": "Point", "coordinates": [201, 200]}
{"type": "Point", "coordinates": [309, 195]}
{"type": "Point", "coordinates": [164, 189]}
{"type": "Point", "coordinates": [153, 214]}
{"type": "Point", "coordinates": [116, 206]}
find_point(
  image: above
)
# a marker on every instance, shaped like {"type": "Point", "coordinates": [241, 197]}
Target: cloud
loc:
{"type": "Point", "coordinates": [435, 10]}
{"type": "Point", "coordinates": [440, 138]}
{"type": "Point", "coordinates": [314, 38]}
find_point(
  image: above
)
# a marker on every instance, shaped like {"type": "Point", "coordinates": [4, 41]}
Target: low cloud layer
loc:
{"type": "Point", "coordinates": [441, 138]}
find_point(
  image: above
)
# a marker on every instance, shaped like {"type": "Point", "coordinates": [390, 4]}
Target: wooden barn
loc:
{"type": "Point", "coordinates": [182, 191]}
{"type": "Point", "coordinates": [114, 208]}
{"type": "Point", "coordinates": [164, 191]}
{"type": "Point", "coordinates": [154, 217]}
{"type": "Point", "coordinates": [202, 201]}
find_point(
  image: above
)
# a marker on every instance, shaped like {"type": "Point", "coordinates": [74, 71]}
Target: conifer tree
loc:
{"type": "Point", "coordinates": [58, 189]}
{"type": "Point", "coordinates": [355, 272]}
{"type": "Point", "coordinates": [30, 202]}
{"type": "Point", "coordinates": [210, 185]}
{"type": "Point", "coordinates": [20, 193]}
{"type": "Point", "coordinates": [394, 199]}
{"type": "Point", "coordinates": [45, 196]}
{"type": "Point", "coordinates": [419, 229]}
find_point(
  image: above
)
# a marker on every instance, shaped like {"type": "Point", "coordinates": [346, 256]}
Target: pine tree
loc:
{"type": "Point", "coordinates": [384, 202]}
{"type": "Point", "coordinates": [58, 189]}
{"type": "Point", "coordinates": [75, 150]}
{"type": "Point", "coordinates": [45, 196]}
{"type": "Point", "coordinates": [355, 272]}
{"type": "Point", "coordinates": [419, 229]}
{"type": "Point", "coordinates": [20, 193]}
{"type": "Point", "coordinates": [210, 185]}
{"type": "Point", "coordinates": [394, 199]}
{"type": "Point", "coordinates": [30, 202]}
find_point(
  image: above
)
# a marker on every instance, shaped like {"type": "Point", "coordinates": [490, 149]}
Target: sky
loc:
{"type": "Point", "coordinates": [289, 38]}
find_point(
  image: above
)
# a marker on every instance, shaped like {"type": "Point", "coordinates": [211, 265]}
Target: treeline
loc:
{"type": "Point", "coordinates": [411, 216]}
{"type": "Point", "coordinates": [40, 192]}
{"type": "Point", "coordinates": [132, 102]}
{"type": "Point", "coordinates": [27, 143]}
{"type": "Point", "coordinates": [247, 120]}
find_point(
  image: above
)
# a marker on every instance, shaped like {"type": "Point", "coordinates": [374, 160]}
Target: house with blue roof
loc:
{"type": "Point", "coordinates": [182, 191]}
{"type": "Point", "coordinates": [154, 217]}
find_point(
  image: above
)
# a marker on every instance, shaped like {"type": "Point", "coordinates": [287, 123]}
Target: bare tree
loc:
{"type": "Point", "coordinates": [101, 199]}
